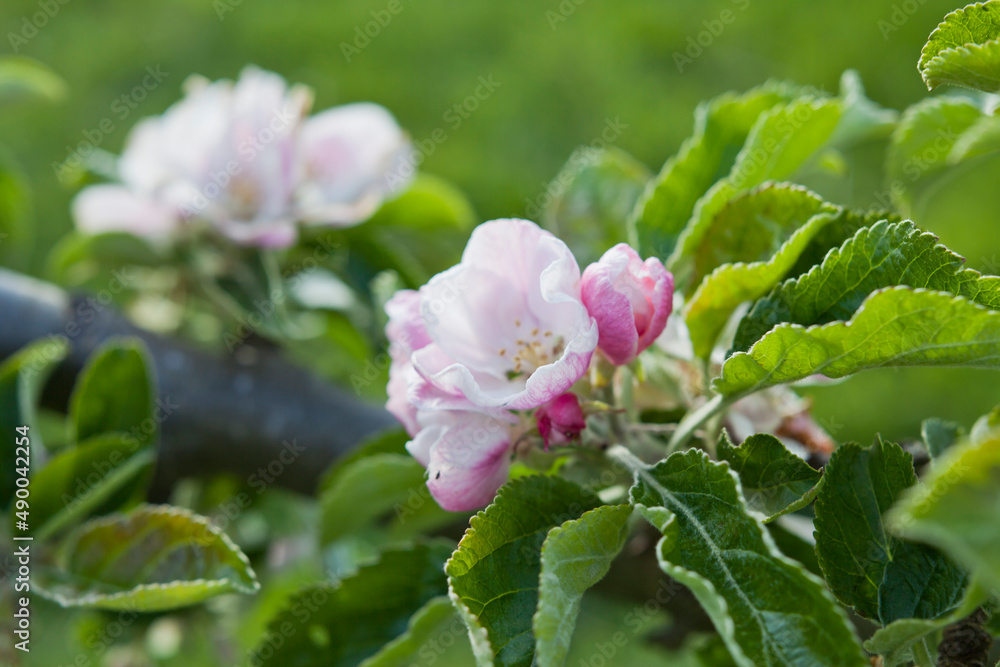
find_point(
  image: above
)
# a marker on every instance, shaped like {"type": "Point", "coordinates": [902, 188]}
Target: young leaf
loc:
{"type": "Point", "coordinates": [893, 327]}
{"type": "Point", "coordinates": [368, 489]}
{"type": "Point", "coordinates": [964, 50]}
{"type": "Point", "coordinates": [844, 226]}
{"type": "Point", "coordinates": [721, 128]}
{"type": "Point", "coordinates": [939, 435]}
{"type": "Point", "coordinates": [78, 256]}
{"type": "Point", "coordinates": [15, 202]}
{"type": "Point", "coordinates": [417, 234]}
{"type": "Point", "coordinates": [882, 577]}
{"type": "Point", "coordinates": [434, 619]}
{"type": "Point", "coordinates": [598, 189]}
{"type": "Point", "coordinates": [774, 480]}
{"type": "Point", "coordinates": [768, 610]}
{"type": "Point", "coordinates": [895, 641]}
{"type": "Point", "coordinates": [575, 556]}
{"type": "Point", "coordinates": [982, 138]}
{"type": "Point", "coordinates": [722, 292]}
{"type": "Point", "coordinates": [98, 474]}
{"type": "Point", "coordinates": [115, 394]}
{"type": "Point", "coordinates": [493, 576]}
{"type": "Point", "coordinates": [22, 378]}
{"type": "Point", "coordinates": [154, 558]}
{"type": "Point", "coordinates": [922, 143]}
{"type": "Point", "coordinates": [390, 441]}
{"type": "Point", "coordinates": [364, 619]}
{"type": "Point", "coordinates": [783, 139]}
{"type": "Point", "coordinates": [956, 508]}
{"type": "Point", "coordinates": [754, 225]}
{"type": "Point", "coordinates": [884, 255]}
{"type": "Point", "coordinates": [23, 78]}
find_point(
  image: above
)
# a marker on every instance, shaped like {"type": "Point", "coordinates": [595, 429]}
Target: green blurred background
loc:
{"type": "Point", "coordinates": [565, 69]}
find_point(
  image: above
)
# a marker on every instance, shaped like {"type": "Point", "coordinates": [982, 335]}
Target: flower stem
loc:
{"type": "Point", "coordinates": [690, 423]}
{"type": "Point", "coordinates": [922, 655]}
{"type": "Point", "coordinates": [625, 456]}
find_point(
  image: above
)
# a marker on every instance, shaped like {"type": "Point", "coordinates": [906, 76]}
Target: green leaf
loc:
{"type": "Point", "coordinates": [863, 119]}
{"type": "Point", "coordinates": [390, 441]}
{"type": "Point", "coordinates": [956, 508]}
{"type": "Point", "coordinates": [782, 141]}
{"type": "Point", "coordinates": [844, 226]}
{"type": "Point", "coordinates": [884, 255]}
{"type": "Point", "coordinates": [23, 78]}
{"type": "Point", "coordinates": [15, 204]}
{"type": "Point", "coordinates": [364, 619]}
{"type": "Point", "coordinates": [753, 226]}
{"type": "Point", "coordinates": [96, 476]}
{"type": "Point", "coordinates": [373, 487]}
{"type": "Point", "coordinates": [22, 378]}
{"type": "Point", "coordinates": [595, 192]}
{"type": "Point", "coordinates": [895, 641]}
{"type": "Point", "coordinates": [882, 577]}
{"type": "Point", "coordinates": [493, 576]}
{"type": "Point", "coordinates": [77, 257]}
{"type": "Point", "coordinates": [893, 327]}
{"type": "Point", "coordinates": [721, 293]}
{"type": "Point", "coordinates": [154, 558]}
{"type": "Point", "coordinates": [774, 480]}
{"type": "Point", "coordinates": [115, 394]}
{"type": "Point", "coordinates": [418, 234]}
{"type": "Point", "coordinates": [922, 143]}
{"type": "Point", "coordinates": [964, 50]}
{"type": "Point", "coordinates": [939, 435]}
{"type": "Point", "coordinates": [721, 128]}
{"type": "Point", "coordinates": [981, 138]}
{"type": "Point", "coordinates": [768, 610]}
{"type": "Point", "coordinates": [435, 618]}
{"type": "Point", "coordinates": [575, 556]}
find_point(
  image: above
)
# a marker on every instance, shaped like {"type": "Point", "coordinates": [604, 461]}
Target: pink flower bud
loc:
{"type": "Point", "coordinates": [560, 420]}
{"type": "Point", "coordinates": [630, 299]}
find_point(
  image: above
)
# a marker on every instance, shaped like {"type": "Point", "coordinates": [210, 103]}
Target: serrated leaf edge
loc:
{"type": "Point", "coordinates": [161, 510]}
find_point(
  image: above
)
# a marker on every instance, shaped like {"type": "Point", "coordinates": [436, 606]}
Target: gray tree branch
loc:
{"type": "Point", "coordinates": [245, 414]}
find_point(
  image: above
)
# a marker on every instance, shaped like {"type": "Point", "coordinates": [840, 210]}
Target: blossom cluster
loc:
{"type": "Point", "coordinates": [492, 348]}
{"type": "Point", "coordinates": [246, 160]}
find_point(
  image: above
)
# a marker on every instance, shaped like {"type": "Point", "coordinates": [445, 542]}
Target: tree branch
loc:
{"type": "Point", "coordinates": [245, 414]}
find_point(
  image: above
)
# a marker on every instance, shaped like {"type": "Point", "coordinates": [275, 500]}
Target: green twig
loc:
{"type": "Point", "coordinates": [922, 655]}
{"type": "Point", "coordinates": [694, 419]}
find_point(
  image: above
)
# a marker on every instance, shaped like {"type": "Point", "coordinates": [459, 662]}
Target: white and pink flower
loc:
{"type": "Point", "coordinates": [504, 330]}
{"type": "Point", "coordinates": [243, 159]}
{"type": "Point", "coordinates": [630, 299]}
{"type": "Point", "coordinates": [507, 324]}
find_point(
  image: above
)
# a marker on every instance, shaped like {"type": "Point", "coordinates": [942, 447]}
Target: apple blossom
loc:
{"type": "Point", "coordinates": [560, 420]}
{"type": "Point", "coordinates": [242, 159]}
{"type": "Point", "coordinates": [406, 333]}
{"type": "Point", "coordinates": [630, 299]}
{"type": "Point", "coordinates": [348, 154]}
{"type": "Point", "coordinates": [466, 453]}
{"type": "Point", "coordinates": [507, 325]}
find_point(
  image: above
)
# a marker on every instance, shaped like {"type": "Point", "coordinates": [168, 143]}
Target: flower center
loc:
{"type": "Point", "coordinates": [533, 349]}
